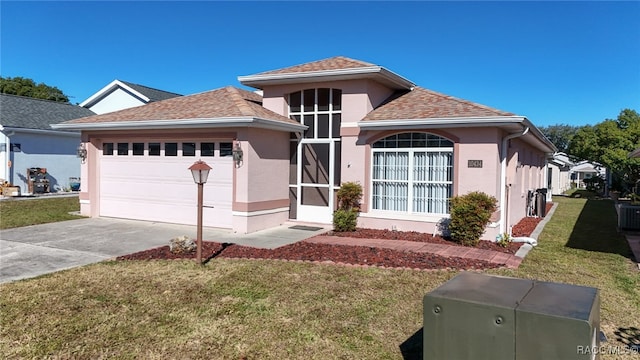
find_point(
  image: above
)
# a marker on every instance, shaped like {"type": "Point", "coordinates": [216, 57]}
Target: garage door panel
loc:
{"type": "Point", "coordinates": [140, 189]}
{"type": "Point", "coordinates": [159, 188]}
{"type": "Point", "coordinates": [158, 192]}
{"type": "Point", "coordinates": [161, 171]}
{"type": "Point", "coordinates": [173, 213]}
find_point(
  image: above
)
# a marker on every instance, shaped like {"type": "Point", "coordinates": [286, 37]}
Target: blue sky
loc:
{"type": "Point", "coordinates": [570, 62]}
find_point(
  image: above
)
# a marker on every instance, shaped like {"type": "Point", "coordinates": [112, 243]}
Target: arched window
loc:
{"type": "Point", "coordinates": [412, 173]}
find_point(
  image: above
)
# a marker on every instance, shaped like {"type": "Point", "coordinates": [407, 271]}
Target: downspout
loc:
{"type": "Point", "coordinates": [503, 176]}
{"type": "Point", "coordinates": [9, 169]}
{"type": "Point", "coordinates": [545, 177]}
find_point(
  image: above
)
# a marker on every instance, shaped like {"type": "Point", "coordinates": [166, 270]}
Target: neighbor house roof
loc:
{"type": "Point", "coordinates": [561, 159]}
{"type": "Point", "coordinates": [228, 106]}
{"type": "Point", "coordinates": [331, 69]}
{"type": "Point", "coordinates": [421, 103]}
{"type": "Point", "coordinates": [29, 113]}
{"type": "Point", "coordinates": [151, 93]}
{"type": "Point", "coordinates": [587, 166]}
{"type": "Point", "coordinates": [144, 93]}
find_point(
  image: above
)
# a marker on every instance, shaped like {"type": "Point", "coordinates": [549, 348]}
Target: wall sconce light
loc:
{"type": "Point", "coordinates": [237, 154]}
{"type": "Point", "coordinates": [82, 152]}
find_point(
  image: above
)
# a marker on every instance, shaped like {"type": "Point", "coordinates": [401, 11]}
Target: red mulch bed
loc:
{"type": "Point", "coordinates": [421, 237]}
{"type": "Point", "coordinates": [305, 251]}
{"type": "Point", "coordinates": [526, 226]}
{"type": "Point", "coordinates": [357, 255]}
{"type": "Point", "coordinates": [209, 249]}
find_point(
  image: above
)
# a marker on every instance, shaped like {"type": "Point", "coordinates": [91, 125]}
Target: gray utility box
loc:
{"type": "Point", "coordinates": [477, 316]}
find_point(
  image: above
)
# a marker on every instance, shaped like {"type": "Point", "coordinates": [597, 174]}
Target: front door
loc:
{"type": "Point", "coordinates": [316, 167]}
{"type": "Point", "coordinates": [317, 154]}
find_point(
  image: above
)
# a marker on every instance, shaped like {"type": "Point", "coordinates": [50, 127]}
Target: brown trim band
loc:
{"type": "Point", "coordinates": [349, 131]}
{"type": "Point", "coordinates": [495, 216]}
{"type": "Point", "coordinates": [260, 205]}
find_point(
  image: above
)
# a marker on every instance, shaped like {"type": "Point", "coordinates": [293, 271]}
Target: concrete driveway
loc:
{"type": "Point", "coordinates": [40, 249]}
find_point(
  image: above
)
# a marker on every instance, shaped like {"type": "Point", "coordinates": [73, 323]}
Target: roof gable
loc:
{"type": "Point", "coordinates": [140, 92]}
{"type": "Point", "coordinates": [227, 102]}
{"type": "Point", "coordinates": [421, 103]}
{"type": "Point", "coordinates": [30, 113]}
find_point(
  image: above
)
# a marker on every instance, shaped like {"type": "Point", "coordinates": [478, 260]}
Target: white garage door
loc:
{"type": "Point", "coordinates": [151, 181]}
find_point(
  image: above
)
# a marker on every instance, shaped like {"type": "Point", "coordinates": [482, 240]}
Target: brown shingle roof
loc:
{"type": "Point", "coordinates": [333, 63]}
{"type": "Point", "coordinates": [421, 103]}
{"type": "Point", "coordinates": [225, 102]}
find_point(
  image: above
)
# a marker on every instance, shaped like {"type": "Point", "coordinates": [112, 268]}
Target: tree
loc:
{"type": "Point", "coordinates": [560, 135]}
{"type": "Point", "coordinates": [27, 87]}
{"type": "Point", "coordinates": [609, 143]}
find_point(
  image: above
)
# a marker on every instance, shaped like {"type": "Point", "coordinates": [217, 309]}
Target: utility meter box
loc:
{"type": "Point", "coordinates": [477, 316]}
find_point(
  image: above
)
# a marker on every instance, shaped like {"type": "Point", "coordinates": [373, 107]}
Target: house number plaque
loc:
{"type": "Point", "coordinates": [474, 163]}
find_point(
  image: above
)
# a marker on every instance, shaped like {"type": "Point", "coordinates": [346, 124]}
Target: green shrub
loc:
{"type": "Point", "coordinates": [345, 220]}
{"type": "Point", "coordinates": [595, 184]}
{"type": "Point", "coordinates": [349, 196]}
{"type": "Point", "coordinates": [470, 215]}
{"type": "Point", "coordinates": [346, 217]}
{"type": "Point", "coordinates": [504, 240]}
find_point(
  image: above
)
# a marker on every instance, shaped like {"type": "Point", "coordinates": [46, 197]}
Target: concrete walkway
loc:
{"type": "Point", "coordinates": [510, 261]}
{"type": "Point", "coordinates": [40, 249]}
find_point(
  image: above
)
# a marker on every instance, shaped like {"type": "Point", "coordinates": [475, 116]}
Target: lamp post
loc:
{"type": "Point", "coordinates": [200, 172]}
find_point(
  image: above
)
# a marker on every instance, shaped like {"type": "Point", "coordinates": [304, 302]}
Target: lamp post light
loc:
{"type": "Point", "coordinates": [200, 172]}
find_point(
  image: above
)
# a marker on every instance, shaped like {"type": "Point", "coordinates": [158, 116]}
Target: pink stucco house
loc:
{"type": "Point", "coordinates": [314, 126]}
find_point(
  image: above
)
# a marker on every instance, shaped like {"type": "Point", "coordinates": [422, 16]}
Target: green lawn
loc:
{"type": "Point", "coordinates": [257, 309]}
{"type": "Point", "coordinates": [17, 213]}
{"type": "Point", "coordinates": [580, 245]}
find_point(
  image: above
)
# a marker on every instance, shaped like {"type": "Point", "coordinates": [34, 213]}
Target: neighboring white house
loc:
{"type": "Point", "coordinates": [559, 169]}
{"type": "Point", "coordinates": [27, 140]}
{"type": "Point", "coordinates": [565, 173]}
{"type": "Point", "coordinates": [586, 170]}
{"type": "Point", "coordinates": [119, 95]}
